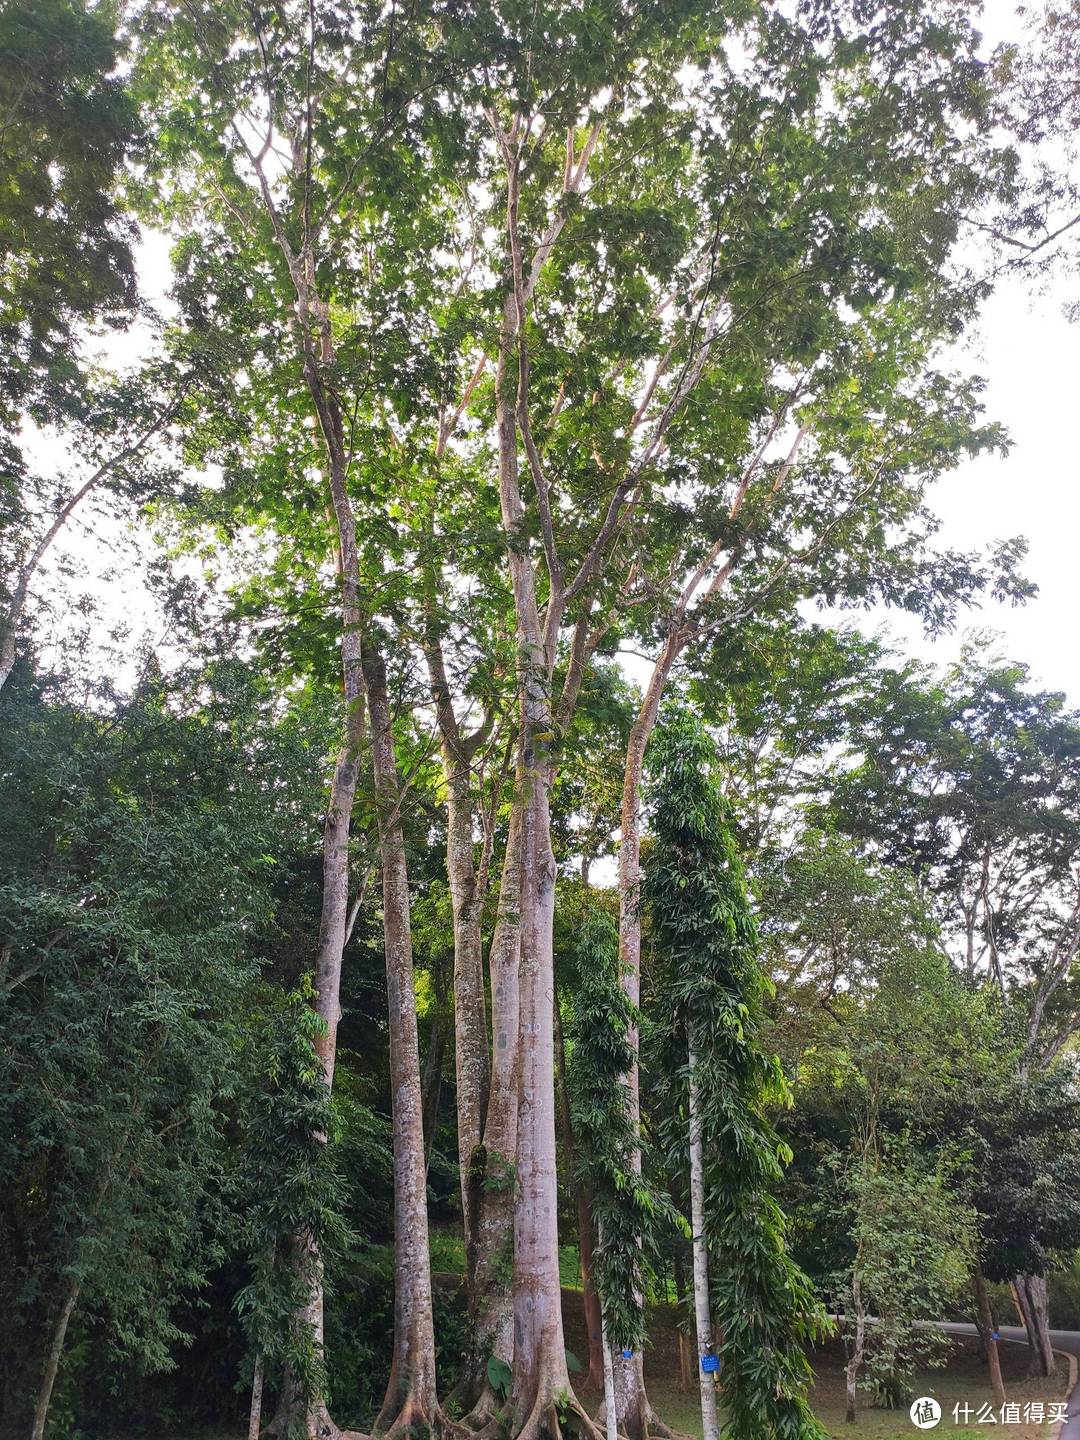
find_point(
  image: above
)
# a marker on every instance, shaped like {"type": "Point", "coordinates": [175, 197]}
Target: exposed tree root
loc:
{"type": "Point", "coordinates": [654, 1428]}
{"type": "Point", "coordinates": [651, 1426]}
{"type": "Point", "coordinates": [545, 1421]}
{"type": "Point", "coordinates": [413, 1421]}
{"type": "Point", "coordinates": [487, 1408]}
{"type": "Point", "coordinates": [320, 1426]}
{"type": "Point", "coordinates": [324, 1426]}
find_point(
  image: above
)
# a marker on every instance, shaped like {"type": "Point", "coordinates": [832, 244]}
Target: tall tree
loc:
{"type": "Point", "coordinates": [621, 1207]}
{"type": "Point", "coordinates": [723, 1083]}
{"type": "Point", "coordinates": [971, 783]}
{"type": "Point", "coordinates": [279, 81]}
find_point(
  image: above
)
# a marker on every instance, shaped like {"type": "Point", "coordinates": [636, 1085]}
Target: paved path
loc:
{"type": "Point", "coordinates": [1068, 1340]}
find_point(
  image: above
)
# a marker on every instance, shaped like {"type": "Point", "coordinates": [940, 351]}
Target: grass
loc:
{"type": "Point", "coordinates": [964, 1380]}
{"type": "Point", "coordinates": [448, 1258]}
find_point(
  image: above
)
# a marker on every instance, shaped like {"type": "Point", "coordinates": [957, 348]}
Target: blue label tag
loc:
{"type": "Point", "coordinates": [995, 1335]}
{"type": "Point", "coordinates": [628, 1354]}
{"type": "Point", "coordinates": [710, 1363]}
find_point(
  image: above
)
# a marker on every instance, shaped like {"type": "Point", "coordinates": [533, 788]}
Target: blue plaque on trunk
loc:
{"type": "Point", "coordinates": [710, 1364]}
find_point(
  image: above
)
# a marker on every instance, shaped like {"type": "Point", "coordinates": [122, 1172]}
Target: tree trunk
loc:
{"type": "Point", "coordinates": [431, 1084]}
{"type": "Point", "coordinates": [686, 1362]}
{"type": "Point", "coordinates": [855, 1361]}
{"type": "Point", "coordinates": [52, 1362]}
{"type": "Point", "coordinates": [333, 924]}
{"type": "Point", "coordinates": [492, 1174]}
{"type": "Point", "coordinates": [1031, 1290]}
{"type": "Point", "coordinates": [471, 1061]}
{"type": "Point", "coordinates": [611, 1428]}
{"type": "Point", "coordinates": [985, 1322]}
{"type": "Point", "coordinates": [590, 1299]}
{"type": "Point", "coordinates": [636, 1416]}
{"type": "Point", "coordinates": [314, 346]}
{"type": "Point", "coordinates": [255, 1412]}
{"type": "Point", "coordinates": [410, 1393]}
{"type": "Point", "coordinates": [471, 1053]}
{"type": "Point", "coordinates": [702, 1307]}
{"type": "Point", "coordinates": [540, 1378]}
{"type": "Point", "coordinates": [540, 1373]}
{"type": "Point", "coordinates": [583, 1205]}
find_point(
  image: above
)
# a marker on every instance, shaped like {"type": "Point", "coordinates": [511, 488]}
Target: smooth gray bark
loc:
{"type": "Point", "coordinates": [411, 1397]}
{"type": "Point", "coordinates": [492, 1175]}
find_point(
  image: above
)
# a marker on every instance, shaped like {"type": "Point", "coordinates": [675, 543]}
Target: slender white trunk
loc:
{"type": "Point", "coordinates": [855, 1362]}
{"type": "Point", "coordinates": [539, 1370]}
{"type": "Point", "coordinates": [52, 1362]}
{"type": "Point", "coordinates": [255, 1413]}
{"type": "Point", "coordinates": [635, 1415]}
{"type": "Point", "coordinates": [611, 1424]}
{"type": "Point", "coordinates": [702, 1307]}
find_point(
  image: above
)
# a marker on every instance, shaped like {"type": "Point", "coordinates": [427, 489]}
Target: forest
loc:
{"type": "Point", "coordinates": [496, 940]}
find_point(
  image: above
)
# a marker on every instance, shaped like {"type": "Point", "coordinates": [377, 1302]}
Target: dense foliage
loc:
{"type": "Point", "coordinates": [517, 363]}
{"type": "Point", "coordinates": [713, 1001]}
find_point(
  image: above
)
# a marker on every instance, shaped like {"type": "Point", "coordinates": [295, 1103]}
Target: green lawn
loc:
{"type": "Point", "coordinates": [964, 1381]}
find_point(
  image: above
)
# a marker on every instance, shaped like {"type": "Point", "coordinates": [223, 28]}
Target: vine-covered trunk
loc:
{"type": "Point", "coordinates": [493, 1173]}
{"type": "Point", "coordinates": [700, 1242]}
{"type": "Point", "coordinates": [333, 928]}
{"type": "Point", "coordinates": [410, 1393]}
{"type": "Point", "coordinates": [858, 1349]}
{"type": "Point", "coordinates": [327, 997]}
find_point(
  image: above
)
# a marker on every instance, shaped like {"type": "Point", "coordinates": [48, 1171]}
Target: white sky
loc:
{"type": "Point", "coordinates": [1028, 353]}
{"type": "Point", "coordinates": [1031, 358]}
